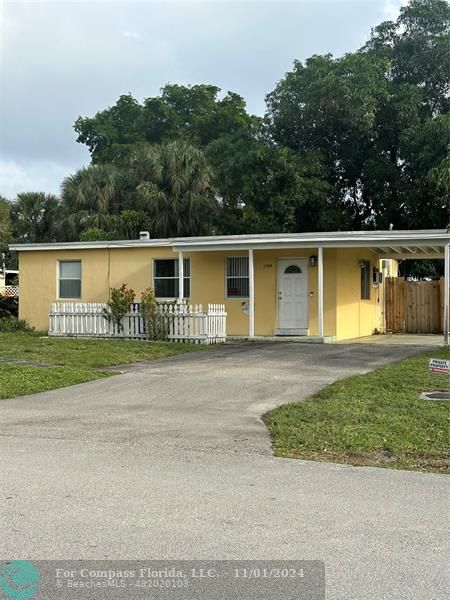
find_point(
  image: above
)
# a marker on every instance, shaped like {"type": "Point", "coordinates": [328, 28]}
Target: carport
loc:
{"type": "Point", "coordinates": [422, 249]}
{"type": "Point", "coordinates": [399, 245]}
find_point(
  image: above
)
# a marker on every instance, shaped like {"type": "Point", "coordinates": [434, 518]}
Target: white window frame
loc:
{"type": "Point", "coordinates": [171, 298]}
{"type": "Point", "coordinates": [227, 277]}
{"type": "Point", "coordinates": [58, 278]}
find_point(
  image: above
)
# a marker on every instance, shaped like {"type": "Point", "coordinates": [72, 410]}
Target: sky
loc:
{"type": "Point", "coordinates": [60, 59]}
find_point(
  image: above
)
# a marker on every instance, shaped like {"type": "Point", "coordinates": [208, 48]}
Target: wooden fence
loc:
{"type": "Point", "coordinates": [414, 306]}
{"type": "Point", "coordinates": [180, 322]}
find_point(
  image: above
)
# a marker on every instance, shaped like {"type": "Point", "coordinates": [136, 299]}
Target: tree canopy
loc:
{"type": "Point", "coordinates": [354, 142]}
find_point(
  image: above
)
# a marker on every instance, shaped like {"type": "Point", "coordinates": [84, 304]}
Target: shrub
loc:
{"type": "Point", "coordinates": [149, 309]}
{"type": "Point", "coordinates": [94, 234]}
{"type": "Point", "coordinates": [9, 307]}
{"type": "Point", "coordinates": [119, 304]}
{"type": "Point", "coordinates": [8, 324]}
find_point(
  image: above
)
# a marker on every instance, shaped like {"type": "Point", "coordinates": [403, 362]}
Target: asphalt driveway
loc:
{"type": "Point", "coordinates": [171, 460]}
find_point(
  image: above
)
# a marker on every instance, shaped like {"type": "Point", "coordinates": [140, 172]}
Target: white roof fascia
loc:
{"type": "Point", "coordinates": [360, 239]}
{"type": "Point", "coordinates": [92, 245]}
{"type": "Point", "coordinates": [313, 244]}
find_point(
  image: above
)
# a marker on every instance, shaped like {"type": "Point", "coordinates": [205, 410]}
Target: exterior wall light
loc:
{"type": "Point", "coordinates": [313, 261]}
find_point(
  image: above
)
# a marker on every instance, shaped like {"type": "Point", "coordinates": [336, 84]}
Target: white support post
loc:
{"type": "Point", "coordinates": [320, 292]}
{"type": "Point", "coordinates": [180, 277]}
{"type": "Point", "coordinates": [446, 294]}
{"type": "Point", "coordinates": [251, 295]}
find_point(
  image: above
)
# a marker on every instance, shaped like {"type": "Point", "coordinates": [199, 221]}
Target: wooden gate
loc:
{"type": "Point", "coordinates": [414, 306]}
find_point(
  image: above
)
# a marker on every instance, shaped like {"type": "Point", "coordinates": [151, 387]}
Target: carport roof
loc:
{"type": "Point", "coordinates": [426, 243]}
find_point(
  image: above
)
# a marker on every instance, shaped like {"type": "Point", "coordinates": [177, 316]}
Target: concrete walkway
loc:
{"type": "Point", "coordinates": [171, 460]}
{"type": "Point", "coordinates": [402, 339]}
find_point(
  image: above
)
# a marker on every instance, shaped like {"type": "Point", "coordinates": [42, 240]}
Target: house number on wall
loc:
{"type": "Point", "coordinates": [268, 266]}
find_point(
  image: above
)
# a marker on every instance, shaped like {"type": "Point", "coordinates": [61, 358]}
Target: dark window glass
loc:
{"type": "Point", "coordinates": [237, 277]}
{"type": "Point", "coordinates": [165, 279]}
{"type": "Point", "coordinates": [70, 288]}
{"type": "Point", "coordinates": [237, 287]}
{"type": "Point", "coordinates": [293, 269]}
{"type": "Point", "coordinates": [166, 268]}
{"type": "Point", "coordinates": [168, 288]}
{"type": "Point", "coordinates": [365, 280]}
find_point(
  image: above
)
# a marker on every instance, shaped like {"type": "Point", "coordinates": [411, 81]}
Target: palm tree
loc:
{"type": "Point", "coordinates": [34, 217]}
{"type": "Point", "coordinates": [90, 199]}
{"type": "Point", "coordinates": [175, 188]}
{"type": "Point", "coordinates": [5, 223]}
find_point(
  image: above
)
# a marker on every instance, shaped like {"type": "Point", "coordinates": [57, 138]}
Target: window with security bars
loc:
{"type": "Point", "coordinates": [365, 280]}
{"type": "Point", "coordinates": [237, 277]}
{"type": "Point", "coordinates": [69, 279]}
{"type": "Point", "coordinates": [165, 278]}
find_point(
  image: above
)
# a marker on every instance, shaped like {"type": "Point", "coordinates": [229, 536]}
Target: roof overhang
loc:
{"type": "Point", "coordinates": [91, 245]}
{"type": "Point", "coordinates": [399, 245]}
{"type": "Point", "coordinates": [411, 252]}
{"type": "Point", "coordinates": [415, 244]}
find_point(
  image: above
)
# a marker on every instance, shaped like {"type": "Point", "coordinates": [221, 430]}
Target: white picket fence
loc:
{"type": "Point", "coordinates": [190, 322]}
{"type": "Point", "coordinates": [181, 322]}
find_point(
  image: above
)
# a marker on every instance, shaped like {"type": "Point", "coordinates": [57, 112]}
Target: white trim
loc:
{"type": "Point", "coordinates": [446, 294]}
{"type": "Point", "coordinates": [299, 331]}
{"type": "Point", "coordinates": [172, 298]}
{"type": "Point", "coordinates": [181, 277]}
{"type": "Point", "coordinates": [337, 239]}
{"type": "Point", "coordinates": [251, 299]}
{"type": "Point", "coordinates": [58, 278]}
{"type": "Point", "coordinates": [320, 291]}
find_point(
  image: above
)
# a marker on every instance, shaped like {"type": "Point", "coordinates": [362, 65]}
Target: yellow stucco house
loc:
{"type": "Point", "coordinates": [328, 286]}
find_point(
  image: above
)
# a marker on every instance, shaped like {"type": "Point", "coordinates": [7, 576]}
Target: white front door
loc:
{"type": "Point", "coordinates": [293, 297]}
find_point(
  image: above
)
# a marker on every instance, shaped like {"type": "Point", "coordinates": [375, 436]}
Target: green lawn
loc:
{"type": "Point", "coordinates": [375, 419]}
{"type": "Point", "coordinates": [69, 361]}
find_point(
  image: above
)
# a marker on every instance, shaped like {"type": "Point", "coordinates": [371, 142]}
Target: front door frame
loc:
{"type": "Point", "coordinates": [305, 266]}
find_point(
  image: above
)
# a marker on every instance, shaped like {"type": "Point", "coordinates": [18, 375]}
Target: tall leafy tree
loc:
{"type": "Point", "coordinates": [265, 188]}
{"type": "Point", "coordinates": [130, 222]}
{"type": "Point", "coordinates": [5, 224]}
{"type": "Point", "coordinates": [195, 114]}
{"type": "Point", "coordinates": [378, 117]}
{"type": "Point", "coordinates": [352, 142]}
{"type": "Point", "coordinates": [412, 127]}
{"type": "Point", "coordinates": [111, 131]}
{"type": "Point", "coordinates": [329, 106]}
{"type": "Point", "coordinates": [440, 177]}
{"type": "Point", "coordinates": [417, 47]}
